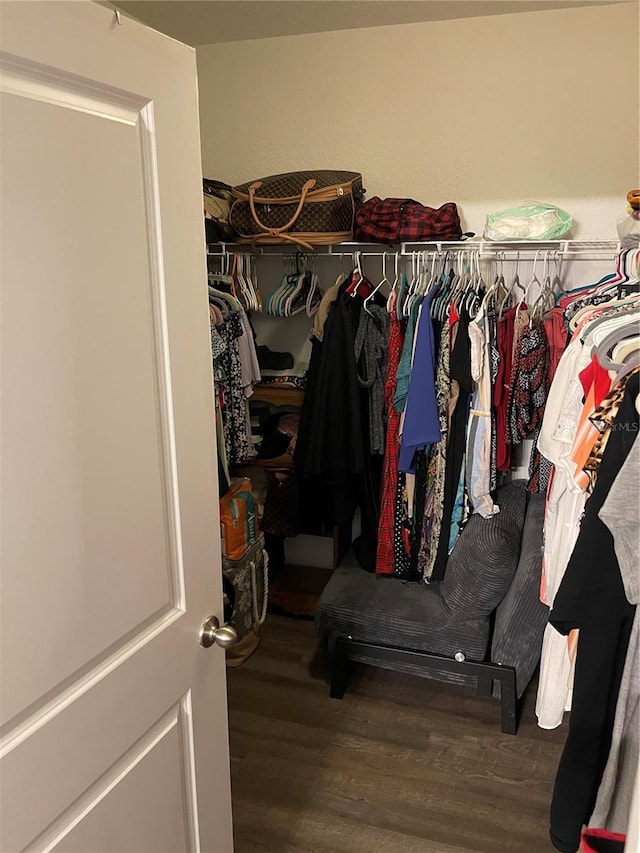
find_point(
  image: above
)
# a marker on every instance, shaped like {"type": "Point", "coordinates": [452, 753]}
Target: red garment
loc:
{"type": "Point", "coordinates": [501, 389]}
{"type": "Point", "coordinates": [384, 557]}
{"type": "Point", "coordinates": [602, 841]}
{"type": "Point", "coordinates": [556, 331]}
{"type": "Point", "coordinates": [595, 375]}
{"type": "Point", "coordinates": [565, 301]}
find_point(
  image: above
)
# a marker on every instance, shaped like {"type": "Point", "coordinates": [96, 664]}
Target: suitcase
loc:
{"type": "Point", "coordinates": [307, 208]}
{"type": "Point", "coordinates": [250, 580]}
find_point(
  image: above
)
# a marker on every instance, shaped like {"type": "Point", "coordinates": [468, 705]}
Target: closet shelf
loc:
{"type": "Point", "coordinates": [278, 463]}
{"type": "Point", "coordinates": [570, 249]}
{"type": "Point", "coordinates": [276, 395]}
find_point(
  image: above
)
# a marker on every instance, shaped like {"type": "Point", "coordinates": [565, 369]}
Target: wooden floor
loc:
{"type": "Point", "coordinates": [400, 765]}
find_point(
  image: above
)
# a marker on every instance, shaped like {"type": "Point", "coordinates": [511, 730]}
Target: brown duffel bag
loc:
{"type": "Point", "coordinates": [307, 208]}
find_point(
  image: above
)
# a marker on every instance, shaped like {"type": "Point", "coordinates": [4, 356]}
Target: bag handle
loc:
{"type": "Point", "coordinates": [276, 232]}
{"type": "Point", "coordinates": [259, 617]}
{"type": "Point", "coordinates": [255, 241]}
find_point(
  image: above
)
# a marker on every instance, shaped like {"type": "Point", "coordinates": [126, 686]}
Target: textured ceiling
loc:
{"type": "Point", "coordinates": [199, 22]}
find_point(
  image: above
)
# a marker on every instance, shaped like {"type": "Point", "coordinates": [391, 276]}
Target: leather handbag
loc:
{"type": "Point", "coordinates": [307, 208]}
{"type": "Point", "coordinates": [282, 506]}
{"type": "Point", "coordinates": [403, 220]}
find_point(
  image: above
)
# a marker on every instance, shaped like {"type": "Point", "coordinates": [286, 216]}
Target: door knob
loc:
{"type": "Point", "coordinates": [213, 632]}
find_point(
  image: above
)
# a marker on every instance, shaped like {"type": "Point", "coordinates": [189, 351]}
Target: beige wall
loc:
{"type": "Point", "coordinates": [486, 112]}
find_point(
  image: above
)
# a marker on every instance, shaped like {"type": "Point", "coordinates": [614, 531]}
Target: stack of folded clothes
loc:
{"type": "Point", "coordinates": [279, 367]}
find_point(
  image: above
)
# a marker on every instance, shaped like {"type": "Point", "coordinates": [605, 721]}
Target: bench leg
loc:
{"type": "Point", "coordinates": [508, 702]}
{"type": "Point", "coordinates": [485, 686]}
{"type": "Point", "coordinates": [339, 670]}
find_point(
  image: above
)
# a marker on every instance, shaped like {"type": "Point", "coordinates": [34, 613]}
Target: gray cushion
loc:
{"type": "Point", "coordinates": [387, 611]}
{"type": "Point", "coordinates": [483, 562]}
{"type": "Point", "coordinates": [521, 616]}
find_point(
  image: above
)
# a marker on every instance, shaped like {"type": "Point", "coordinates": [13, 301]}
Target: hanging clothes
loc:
{"type": "Point", "coordinates": [429, 512]}
{"type": "Point", "coordinates": [501, 389]}
{"type": "Point", "coordinates": [370, 350]}
{"type": "Point", "coordinates": [461, 373]}
{"type": "Point", "coordinates": [619, 512]}
{"type": "Point", "coordinates": [330, 446]}
{"type": "Point", "coordinates": [333, 457]}
{"type": "Point", "coordinates": [591, 597]}
{"type": "Point", "coordinates": [228, 372]}
{"type": "Point", "coordinates": [420, 426]}
{"type": "Point", "coordinates": [387, 528]}
{"type": "Point", "coordinates": [565, 437]}
{"type": "Point", "coordinates": [413, 410]}
{"type": "Point", "coordinates": [493, 353]}
{"type": "Point", "coordinates": [479, 432]}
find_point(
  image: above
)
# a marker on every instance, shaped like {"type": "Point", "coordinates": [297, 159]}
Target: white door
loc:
{"type": "Point", "coordinates": [114, 724]}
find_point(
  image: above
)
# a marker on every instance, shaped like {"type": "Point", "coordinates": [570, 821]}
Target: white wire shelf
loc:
{"type": "Point", "coordinates": [525, 249]}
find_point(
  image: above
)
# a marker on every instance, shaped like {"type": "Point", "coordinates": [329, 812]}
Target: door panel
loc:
{"type": "Point", "coordinates": [99, 451]}
{"type": "Point", "coordinates": [113, 719]}
{"type": "Point", "coordinates": [105, 714]}
{"type": "Point", "coordinates": [145, 810]}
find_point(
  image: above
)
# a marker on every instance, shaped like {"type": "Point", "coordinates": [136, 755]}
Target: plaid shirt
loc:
{"type": "Point", "coordinates": [403, 220]}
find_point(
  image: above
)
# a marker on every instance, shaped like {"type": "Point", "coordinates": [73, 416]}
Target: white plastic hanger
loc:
{"type": "Point", "coordinates": [534, 281]}
{"type": "Point", "coordinates": [396, 281]}
{"type": "Point", "coordinates": [472, 300]}
{"type": "Point", "coordinates": [315, 294]}
{"type": "Point", "coordinates": [250, 279]}
{"type": "Point", "coordinates": [497, 283]}
{"type": "Point", "coordinates": [434, 274]}
{"type": "Point", "coordinates": [246, 294]}
{"type": "Point", "coordinates": [410, 297]}
{"type": "Point", "coordinates": [546, 292]}
{"type": "Point", "coordinates": [385, 280]}
{"type": "Point", "coordinates": [358, 269]}
{"type": "Point", "coordinates": [514, 284]}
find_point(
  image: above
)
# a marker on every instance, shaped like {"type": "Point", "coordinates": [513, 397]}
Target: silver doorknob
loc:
{"type": "Point", "coordinates": [213, 632]}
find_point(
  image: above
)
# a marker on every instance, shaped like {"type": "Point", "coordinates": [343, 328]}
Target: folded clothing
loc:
{"type": "Point", "coordinates": [270, 360]}
{"type": "Point", "coordinates": [293, 378]}
{"type": "Point", "coordinates": [299, 382]}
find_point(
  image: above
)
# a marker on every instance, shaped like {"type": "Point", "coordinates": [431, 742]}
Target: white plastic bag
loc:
{"type": "Point", "coordinates": [531, 221]}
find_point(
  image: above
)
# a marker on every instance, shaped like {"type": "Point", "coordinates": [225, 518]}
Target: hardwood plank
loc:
{"type": "Point", "coordinates": [401, 764]}
{"type": "Point", "coordinates": [296, 589]}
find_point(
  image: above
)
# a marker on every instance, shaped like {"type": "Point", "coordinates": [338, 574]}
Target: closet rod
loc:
{"type": "Point", "coordinates": [605, 250]}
